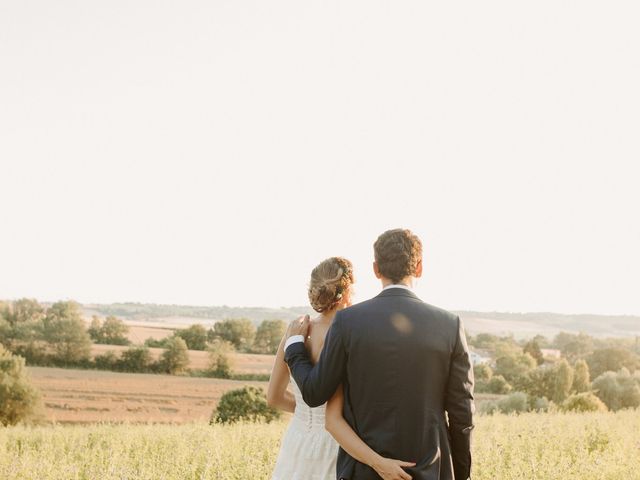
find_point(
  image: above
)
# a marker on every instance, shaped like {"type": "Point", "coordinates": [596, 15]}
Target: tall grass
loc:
{"type": "Point", "coordinates": [532, 446]}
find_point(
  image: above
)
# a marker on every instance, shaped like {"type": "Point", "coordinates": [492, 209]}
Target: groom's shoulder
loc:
{"type": "Point", "coordinates": [440, 312]}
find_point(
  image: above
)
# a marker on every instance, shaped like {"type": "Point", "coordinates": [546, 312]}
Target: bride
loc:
{"type": "Point", "coordinates": [308, 450]}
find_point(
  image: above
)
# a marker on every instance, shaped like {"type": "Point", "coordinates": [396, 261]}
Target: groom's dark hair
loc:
{"type": "Point", "coordinates": [397, 253]}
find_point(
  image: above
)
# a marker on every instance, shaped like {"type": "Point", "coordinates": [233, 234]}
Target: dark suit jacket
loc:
{"type": "Point", "coordinates": [403, 364]}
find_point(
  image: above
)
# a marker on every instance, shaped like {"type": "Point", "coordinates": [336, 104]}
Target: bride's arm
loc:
{"type": "Point", "coordinates": [277, 394]}
{"type": "Point", "coordinates": [338, 427]}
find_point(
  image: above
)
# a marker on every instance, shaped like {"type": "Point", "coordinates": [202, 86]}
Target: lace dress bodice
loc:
{"type": "Point", "coordinates": [311, 418]}
{"type": "Point", "coordinates": [308, 451]}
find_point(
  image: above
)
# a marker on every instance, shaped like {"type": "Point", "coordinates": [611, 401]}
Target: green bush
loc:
{"type": "Point", "coordinates": [618, 390]}
{"type": "Point", "coordinates": [220, 365]}
{"type": "Point", "coordinates": [498, 385]}
{"type": "Point", "coordinates": [251, 377]}
{"type": "Point", "coordinates": [239, 331]}
{"type": "Point", "coordinates": [482, 373]}
{"type": "Point", "coordinates": [154, 343]}
{"type": "Point", "coordinates": [582, 377]}
{"type": "Point", "coordinates": [107, 361]}
{"type": "Point", "coordinates": [517, 402]}
{"type": "Point", "coordinates": [516, 368]}
{"type": "Point", "coordinates": [612, 360]}
{"type": "Point", "coordinates": [540, 404]}
{"type": "Point", "coordinates": [247, 404]}
{"type": "Point", "coordinates": [269, 336]}
{"type": "Point", "coordinates": [112, 331]}
{"type": "Point", "coordinates": [175, 359]}
{"type": "Point", "coordinates": [533, 349]}
{"type": "Point", "coordinates": [583, 402]}
{"type": "Point", "coordinates": [195, 337]}
{"type": "Point", "coordinates": [135, 359]}
{"type": "Point", "coordinates": [64, 330]}
{"type": "Point", "coordinates": [19, 400]}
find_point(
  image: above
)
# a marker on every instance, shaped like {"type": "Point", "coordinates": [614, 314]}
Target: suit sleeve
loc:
{"type": "Point", "coordinates": [459, 406]}
{"type": "Point", "coordinates": [319, 382]}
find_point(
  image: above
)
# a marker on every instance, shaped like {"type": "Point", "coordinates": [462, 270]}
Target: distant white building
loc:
{"type": "Point", "coordinates": [550, 353]}
{"type": "Point", "coordinates": [478, 359]}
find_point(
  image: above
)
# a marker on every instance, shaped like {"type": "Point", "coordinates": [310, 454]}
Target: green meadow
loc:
{"type": "Point", "coordinates": [548, 446]}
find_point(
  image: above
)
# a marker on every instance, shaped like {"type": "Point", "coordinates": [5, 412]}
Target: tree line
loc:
{"type": "Point", "coordinates": [31, 333]}
{"type": "Point", "coordinates": [590, 374]}
{"type": "Point", "coordinates": [241, 333]}
{"type": "Point", "coordinates": [57, 336]}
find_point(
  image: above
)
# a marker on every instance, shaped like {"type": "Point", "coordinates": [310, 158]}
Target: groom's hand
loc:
{"type": "Point", "coordinates": [300, 326]}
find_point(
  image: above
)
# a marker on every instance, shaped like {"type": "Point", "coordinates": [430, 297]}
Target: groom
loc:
{"type": "Point", "coordinates": [403, 364]}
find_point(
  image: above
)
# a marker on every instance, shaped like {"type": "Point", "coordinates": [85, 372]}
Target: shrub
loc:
{"type": "Point", "coordinates": [482, 372]}
{"type": "Point", "coordinates": [612, 360]}
{"type": "Point", "coordinates": [561, 381]}
{"type": "Point", "coordinates": [554, 381]}
{"type": "Point", "coordinates": [135, 359]}
{"type": "Point", "coordinates": [251, 377]}
{"type": "Point", "coordinates": [618, 390]}
{"type": "Point", "coordinates": [153, 343]}
{"type": "Point", "coordinates": [34, 353]}
{"type": "Point", "coordinates": [219, 360]}
{"type": "Point", "coordinates": [248, 403]}
{"type": "Point", "coordinates": [106, 361]}
{"type": "Point", "coordinates": [240, 332]}
{"type": "Point", "coordinates": [574, 346]}
{"type": "Point", "coordinates": [112, 332]}
{"type": "Point", "coordinates": [581, 378]}
{"type": "Point", "coordinates": [64, 331]}
{"type": "Point", "coordinates": [175, 359]}
{"type": "Point", "coordinates": [517, 402]}
{"type": "Point", "coordinates": [498, 385]}
{"type": "Point", "coordinates": [19, 401]}
{"type": "Point", "coordinates": [22, 311]}
{"type": "Point", "coordinates": [94, 329]}
{"type": "Point", "coordinates": [195, 337]}
{"type": "Point", "coordinates": [268, 336]}
{"type": "Point", "coordinates": [516, 368]}
{"type": "Point", "coordinates": [583, 402]}
{"type": "Point", "coordinates": [533, 349]}
{"type": "Point", "coordinates": [540, 404]}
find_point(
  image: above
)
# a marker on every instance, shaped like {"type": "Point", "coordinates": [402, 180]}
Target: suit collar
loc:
{"type": "Point", "coordinates": [395, 292]}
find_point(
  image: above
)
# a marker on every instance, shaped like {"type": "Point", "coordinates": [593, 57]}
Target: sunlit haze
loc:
{"type": "Point", "coordinates": [213, 153]}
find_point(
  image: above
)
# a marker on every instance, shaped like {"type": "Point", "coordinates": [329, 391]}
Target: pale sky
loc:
{"type": "Point", "coordinates": [212, 152]}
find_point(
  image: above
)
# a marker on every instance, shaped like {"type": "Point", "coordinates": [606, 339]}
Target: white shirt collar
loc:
{"type": "Point", "coordinates": [396, 285]}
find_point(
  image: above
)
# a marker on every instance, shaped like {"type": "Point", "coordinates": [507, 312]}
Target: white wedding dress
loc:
{"type": "Point", "coordinates": [308, 451]}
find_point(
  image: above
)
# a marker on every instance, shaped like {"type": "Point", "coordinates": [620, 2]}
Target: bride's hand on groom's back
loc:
{"type": "Point", "coordinates": [299, 326]}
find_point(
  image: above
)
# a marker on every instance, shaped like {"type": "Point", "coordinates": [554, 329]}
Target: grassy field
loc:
{"type": "Point", "coordinates": [531, 447]}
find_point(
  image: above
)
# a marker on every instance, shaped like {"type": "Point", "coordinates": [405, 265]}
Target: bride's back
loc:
{"type": "Point", "coordinates": [314, 343]}
{"type": "Point", "coordinates": [317, 333]}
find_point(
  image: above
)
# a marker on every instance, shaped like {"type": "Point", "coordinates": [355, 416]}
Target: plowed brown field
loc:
{"type": "Point", "coordinates": [84, 396]}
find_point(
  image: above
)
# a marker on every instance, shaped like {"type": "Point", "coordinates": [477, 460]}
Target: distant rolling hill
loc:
{"type": "Point", "coordinates": [520, 325]}
{"type": "Point", "coordinates": [526, 325]}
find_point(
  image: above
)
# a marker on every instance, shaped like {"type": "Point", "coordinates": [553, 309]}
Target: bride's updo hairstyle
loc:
{"type": "Point", "coordinates": [330, 280]}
